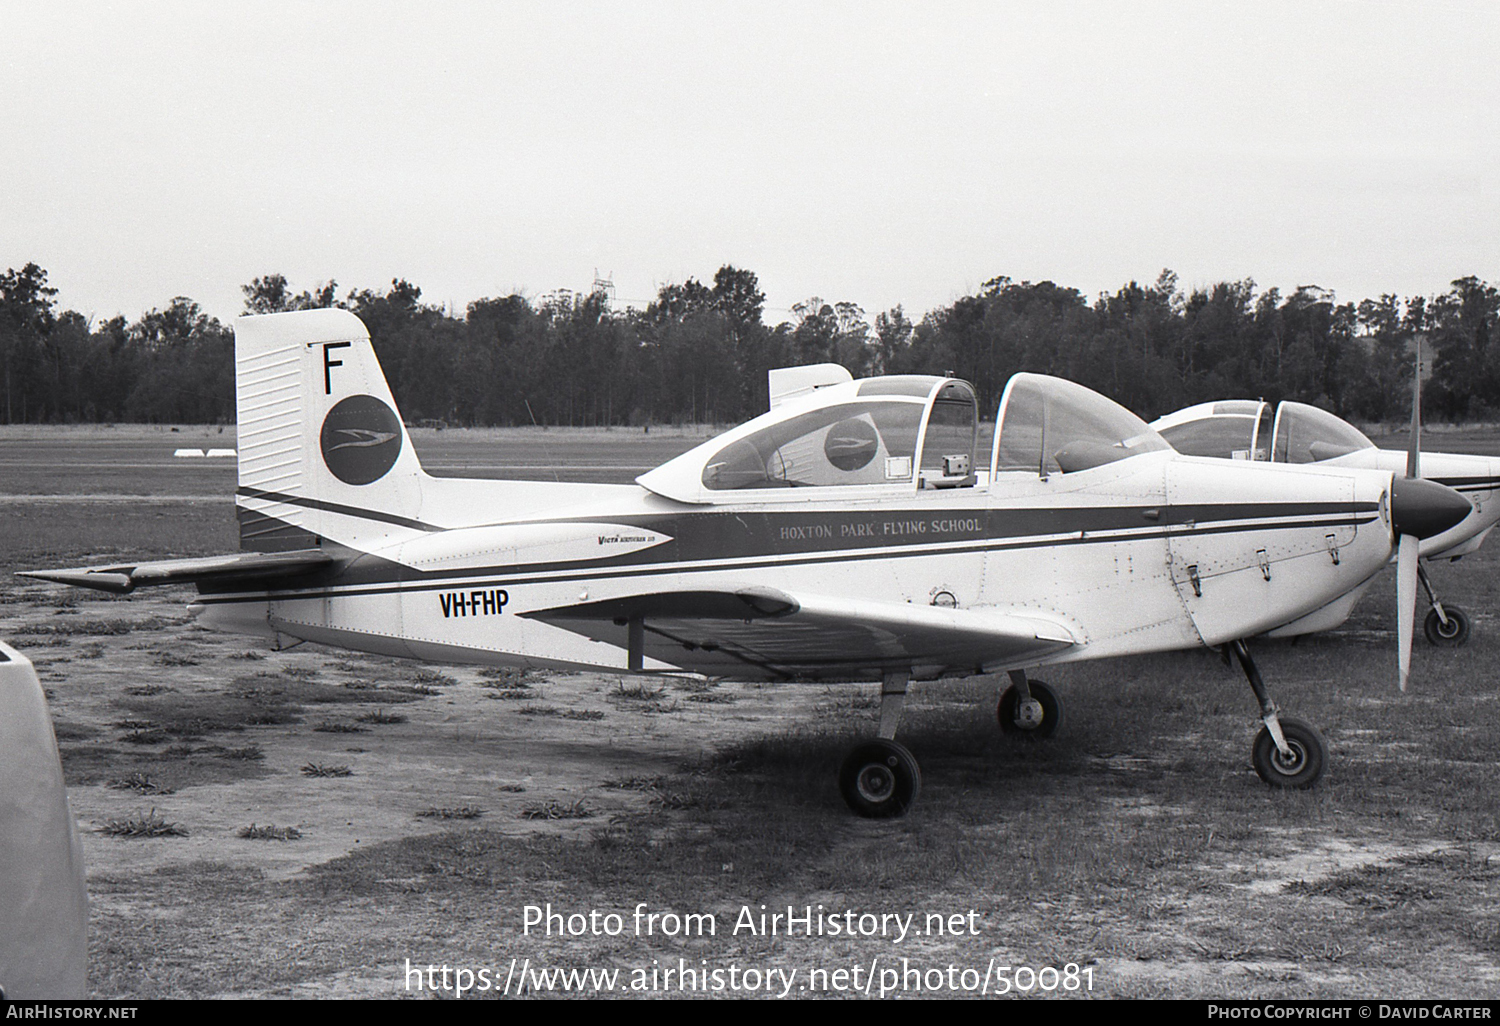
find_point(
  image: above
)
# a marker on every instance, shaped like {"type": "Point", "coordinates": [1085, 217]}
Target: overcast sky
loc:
{"type": "Point", "coordinates": [876, 153]}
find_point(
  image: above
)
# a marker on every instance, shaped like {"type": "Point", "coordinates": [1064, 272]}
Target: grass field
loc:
{"type": "Point", "coordinates": [339, 815]}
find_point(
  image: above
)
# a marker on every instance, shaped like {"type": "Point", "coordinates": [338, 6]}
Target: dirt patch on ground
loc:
{"type": "Point", "coordinates": [1323, 859]}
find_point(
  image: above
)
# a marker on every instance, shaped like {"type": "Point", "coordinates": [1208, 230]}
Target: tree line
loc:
{"type": "Point", "coordinates": [699, 352]}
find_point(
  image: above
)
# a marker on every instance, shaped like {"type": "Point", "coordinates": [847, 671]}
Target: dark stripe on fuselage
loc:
{"type": "Point", "coordinates": [1468, 484]}
{"type": "Point", "coordinates": [334, 507]}
{"type": "Point", "coordinates": [724, 541]}
{"type": "Point", "coordinates": [811, 530]}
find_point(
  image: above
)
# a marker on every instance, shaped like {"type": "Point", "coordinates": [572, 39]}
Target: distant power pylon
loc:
{"type": "Point", "coordinates": [605, 286]}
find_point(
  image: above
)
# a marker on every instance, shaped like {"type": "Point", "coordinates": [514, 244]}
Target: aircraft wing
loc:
{"type": "Point", "coordinates": [771, 634]}
{"type": "Point", "coordinates": [123, 578]}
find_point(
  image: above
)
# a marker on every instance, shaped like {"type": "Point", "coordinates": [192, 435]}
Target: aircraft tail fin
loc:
{"type": "Point", "coordinates": [323, 454]}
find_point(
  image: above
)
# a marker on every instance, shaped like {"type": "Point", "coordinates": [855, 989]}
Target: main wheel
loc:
{"type": "Point", "coordinates": [1039, 721]}
{"type": "Point", "coordinates": [880, 779]}
{"type": "Point", "coordinates": [1302, 768]}
{"type": "Point", "coordinates": [1455, 633]}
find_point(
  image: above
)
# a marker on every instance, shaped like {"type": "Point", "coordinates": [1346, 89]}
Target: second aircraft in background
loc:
{"type": "Point", "coordinates": [1296, 433]}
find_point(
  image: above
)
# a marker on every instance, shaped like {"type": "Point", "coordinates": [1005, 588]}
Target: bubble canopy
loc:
{"type": "Point", "coordinates": [1306, 434]}
{"type": "Point", "coordinates": [875, 437]}
{"type": "Point", "coordinates": [900, 435]}
{"type": "Point", "coordinates": [1246, 430]}
{"type": "Point", "coordinates": [1050, 426]}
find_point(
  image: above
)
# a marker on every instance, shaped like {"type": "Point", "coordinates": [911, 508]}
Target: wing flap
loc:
{"type": "Point", "coordinates": [123, 578]}
{"type": "Point", "coordinates": [770, 634]}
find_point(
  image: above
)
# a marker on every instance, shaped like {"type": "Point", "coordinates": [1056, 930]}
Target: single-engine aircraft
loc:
{"type": "Point", "coordinates": [1296, 433]}
{"type": "Point", "coordinates": [848, 534]}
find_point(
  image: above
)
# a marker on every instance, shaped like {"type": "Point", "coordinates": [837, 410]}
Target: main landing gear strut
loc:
{"type": "Point", "coordinates": [1288, 752]}
{"type": "Point", "coordinates": [880, 778]}
{"type": "Point", "coordinates": [1447, 626]}
{"type": "Point", "coordinates": [1029, 708]}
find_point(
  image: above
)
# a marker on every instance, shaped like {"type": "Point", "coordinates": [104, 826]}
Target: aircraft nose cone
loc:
{"type": "Point", "coordinates": [1425, 508]}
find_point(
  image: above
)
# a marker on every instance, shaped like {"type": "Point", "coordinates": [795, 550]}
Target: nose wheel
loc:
{"type": "Point", "coordinates": [1449, 630]}
{"type": "Point", "coordinates": [1301, 765]}
{"type": "Point", "coordinates": [1446, 626]}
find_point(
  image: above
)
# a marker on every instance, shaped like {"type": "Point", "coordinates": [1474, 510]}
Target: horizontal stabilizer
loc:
{"type": "Point", "coordinates": [122, 578]}
{"type": "Point", "coordinates": [775, 635]}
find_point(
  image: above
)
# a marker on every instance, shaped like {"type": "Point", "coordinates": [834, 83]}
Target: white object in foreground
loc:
{"type": "Point", "coordinates": [44, 905]}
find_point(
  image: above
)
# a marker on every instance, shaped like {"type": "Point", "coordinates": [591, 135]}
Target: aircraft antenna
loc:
{"type": "Point", "coordinates": [1041, 459]}
{"type": "Point", "coordinates": [551, 465]}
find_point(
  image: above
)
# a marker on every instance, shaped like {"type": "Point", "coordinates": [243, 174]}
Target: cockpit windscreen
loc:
{"type": "Point", "coordinates": [1306, 434]}
{"type": "Point", "coordinates": [1048, 426]}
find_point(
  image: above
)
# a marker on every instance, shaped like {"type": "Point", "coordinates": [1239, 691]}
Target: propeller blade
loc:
{"type": "Point", "coordinates": [1414, 453]}
{"type": "Point", "coordinates": [1407, 554]}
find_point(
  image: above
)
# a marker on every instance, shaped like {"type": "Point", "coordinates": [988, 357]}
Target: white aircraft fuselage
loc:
{"type": "Point", "coordinates": [1113, 545]}
{"type": "Point", "coordinates": [1110, 556]}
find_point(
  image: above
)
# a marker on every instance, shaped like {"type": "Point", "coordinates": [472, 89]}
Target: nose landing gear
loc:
{"type": "Point", "coordinates": [1288, 752]}
{"type": "Point", "coordinates": [1446, 626]}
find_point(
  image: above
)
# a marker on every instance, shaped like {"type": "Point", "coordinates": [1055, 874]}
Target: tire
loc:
{"type": "Point", "coordinates": [1309, 755]}
{"type": "Point", "coordinates": [880, 779]}
{"type": "Point", "coordinates": [1010, 705]}
{"type": "Point", "coordinates": [1455, 634]}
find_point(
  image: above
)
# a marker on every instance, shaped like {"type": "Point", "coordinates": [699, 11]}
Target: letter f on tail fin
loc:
{"type": "Point", "coordinates": [323, 455]}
